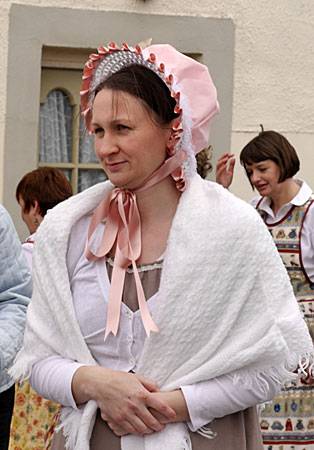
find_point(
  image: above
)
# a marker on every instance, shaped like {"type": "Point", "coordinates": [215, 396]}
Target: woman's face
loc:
{"type": "Point", "coordinates": [128, 144]}
{"type": "Point", "coordinates": [264, 176]}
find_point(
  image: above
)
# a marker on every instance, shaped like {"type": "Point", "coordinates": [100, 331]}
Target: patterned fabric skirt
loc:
{"type": "Point", "coordinates": [287, 423]}
{"type": "Point", "coordinates": [33, 420]}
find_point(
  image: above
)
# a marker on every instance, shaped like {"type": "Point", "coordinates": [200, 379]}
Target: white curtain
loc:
{"type": "Point", "coordinates": [87, 178]}
{"type": "Point", "coordinates": [86, 145]}
{"type": "Point", "coordinates": [56, 128]}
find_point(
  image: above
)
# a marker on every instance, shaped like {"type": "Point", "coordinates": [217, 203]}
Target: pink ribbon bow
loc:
{"type": "Point", "coordinates": [123, 230]}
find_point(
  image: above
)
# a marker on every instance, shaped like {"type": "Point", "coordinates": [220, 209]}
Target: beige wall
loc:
{"type": "Point", "coordinates": [273, 73]}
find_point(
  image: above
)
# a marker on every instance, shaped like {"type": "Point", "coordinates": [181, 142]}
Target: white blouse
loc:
{"type": "Point", "coordinates": [307, 232]}
{"type": "Point", "coordinates": [28, 246]}
{"type": "Point", "coordinates": [52, 377]}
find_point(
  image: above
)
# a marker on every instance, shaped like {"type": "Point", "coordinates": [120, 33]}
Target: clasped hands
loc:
{"type": "Point", "coordinates": [129, 403]}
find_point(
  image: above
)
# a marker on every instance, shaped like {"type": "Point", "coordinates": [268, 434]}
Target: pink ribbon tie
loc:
{"type": "Point", "coordinates": [123, 230]}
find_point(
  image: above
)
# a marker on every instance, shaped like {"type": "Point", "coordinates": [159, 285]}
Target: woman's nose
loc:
{"type": "Point", "coordinates": [107, 146]}
{"type": "Point", "coordinates": [254, 176]}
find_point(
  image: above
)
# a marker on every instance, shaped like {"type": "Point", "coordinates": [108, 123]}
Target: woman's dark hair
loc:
{"type": "Point", "coordinates": [274, 146]}
{"type": "Point", "coordinates": [46, 185]}
{"type": "Point", "coordinates": [147, 86]}
{"type": "Point", "coordinates": [204, 166]}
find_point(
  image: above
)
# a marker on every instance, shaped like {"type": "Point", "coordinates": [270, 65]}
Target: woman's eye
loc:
{"type": "Point", "coordinates": [98, 131]}
{"type": "Point", "coordinates": [121, 127]}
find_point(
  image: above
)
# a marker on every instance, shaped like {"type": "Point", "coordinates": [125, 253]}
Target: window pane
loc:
{"type": "Point", "coordinates": [56, 128]}
{"type": "Point", "coordinates": [67, 173]}
{"type": "Point", "coordinates": [86, 146]}
{"type": "Point", "coordinates": [87, 178]}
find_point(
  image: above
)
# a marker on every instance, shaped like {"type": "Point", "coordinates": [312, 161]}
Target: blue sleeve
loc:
{"type": "Point", "coordinates": [15, 290]}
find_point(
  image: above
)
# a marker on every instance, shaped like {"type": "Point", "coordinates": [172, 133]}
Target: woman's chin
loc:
{"type": "Point", "coordinates": [264, 191]}
{"type": "Point", "coordinates": [122, 184]}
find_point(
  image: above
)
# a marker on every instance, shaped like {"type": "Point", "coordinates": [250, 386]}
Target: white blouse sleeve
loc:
{"type": "Point", "coordinates": [307, 243]}
{"type": "Point", "coordinates": [52, 378]}
{"type": "Point", "coordinates": [212, 399]}
{"type": "Point", "coordinates": [28, 253]}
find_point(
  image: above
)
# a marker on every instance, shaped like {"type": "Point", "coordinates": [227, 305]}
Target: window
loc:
{"type": "Point", "coordinates": [63, 140]}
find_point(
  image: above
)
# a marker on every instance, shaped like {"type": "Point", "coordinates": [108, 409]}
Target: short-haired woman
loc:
{"type": "Point", "coordinates": [287, 208]}
{"type": "Point", "coordinates": [36, 193]}
{"type": "Point", "coordinates": [34, 416]}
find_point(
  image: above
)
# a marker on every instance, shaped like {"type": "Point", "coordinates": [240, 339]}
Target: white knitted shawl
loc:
{"type": "Point", "coordinates": [225, 304]}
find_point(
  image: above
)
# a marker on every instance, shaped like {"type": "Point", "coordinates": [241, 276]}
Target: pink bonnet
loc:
{"type": "Point", "coordinates": [189, 82]}
{"type": "Point", "coordinates": [196, 87]}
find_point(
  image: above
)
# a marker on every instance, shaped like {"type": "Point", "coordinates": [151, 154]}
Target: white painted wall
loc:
{"type": "Point", "coordinates": [274, 66]}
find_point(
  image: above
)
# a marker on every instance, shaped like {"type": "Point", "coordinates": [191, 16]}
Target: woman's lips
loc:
{"type": "Point", "coordinates": [115, 166]}
{"type": "Point", "coordinates": [261, 187]}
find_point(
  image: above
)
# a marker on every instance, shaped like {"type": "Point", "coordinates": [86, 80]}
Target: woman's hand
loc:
{"type": "Point", "coordinates": [225, 169]}
{"type": "Point", "coordinates": [175, 399]}
{"type": "Point", "coordinates": [124, 399]}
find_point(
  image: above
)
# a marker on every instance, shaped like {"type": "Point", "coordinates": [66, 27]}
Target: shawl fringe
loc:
{"type": "Point", "coordinates": [173, 436]}
{"type": "Point", "coordinates": [206, 432]}
{"type": "Point", "coordinates": [295, 367]}
{"type": "Point", "coordinates": [304, 364]}
{"type": "Point", "coordinates": [77, 425]}
{"type": "Point", "coordinates": [22, 367]}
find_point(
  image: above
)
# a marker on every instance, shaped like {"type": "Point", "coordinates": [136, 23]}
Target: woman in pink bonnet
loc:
{"type": "Point", "coordinates": [163, 332]}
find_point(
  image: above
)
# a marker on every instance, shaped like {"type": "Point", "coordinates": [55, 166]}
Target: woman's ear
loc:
{"type": "Point", "coordinates": [36, 216]}
{"type": "Point", "coordinates": [36, 207]}
{"type": "Point", "coordinates": [34, 210]}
